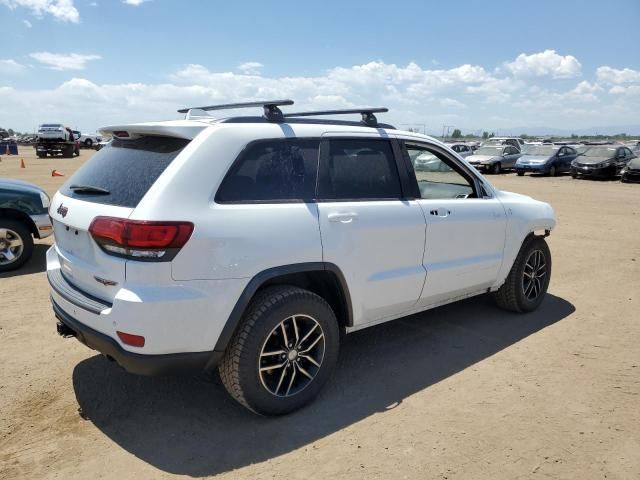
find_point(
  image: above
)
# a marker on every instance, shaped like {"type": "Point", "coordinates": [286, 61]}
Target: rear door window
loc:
{"type": "Point", "coordinates": [124, 170]}
{"type": "Point", "coordinates": [359, 169]}
{"type": "Point", "coordinates": [272, 171]}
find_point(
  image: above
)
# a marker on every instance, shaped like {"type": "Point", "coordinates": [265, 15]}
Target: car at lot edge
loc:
{"type": "Point", "coordinates": [23, 215]}
{"type": "Point", "coordinates": [252, 243]}
{"type": "Point", "coordinates": [605, 161]}
{"type": "Point", "coordinates": [545, 159]}
{"type": "Point", "coordinates": [631, 173]}
{"type": "Point", "coordinates": [494, 158]}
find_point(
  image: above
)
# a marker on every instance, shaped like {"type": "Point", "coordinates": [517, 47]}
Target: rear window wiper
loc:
{"type": "Point", "coordinates": [89, 189]}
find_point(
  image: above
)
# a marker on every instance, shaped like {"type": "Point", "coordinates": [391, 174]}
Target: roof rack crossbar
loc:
{"type": "Point", "coordinates": [271, 110]}
{"type": "Point", "coordinates": [368, 117]}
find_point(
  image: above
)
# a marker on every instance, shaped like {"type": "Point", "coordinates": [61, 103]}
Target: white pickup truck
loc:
{"type": "Point", "coordinates": [88, 141]}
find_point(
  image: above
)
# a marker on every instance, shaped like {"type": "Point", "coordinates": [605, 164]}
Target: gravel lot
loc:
{"type": "Point", "coordinates": [464, 391]}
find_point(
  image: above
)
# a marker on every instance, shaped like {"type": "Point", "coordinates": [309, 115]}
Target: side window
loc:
{"type": "Point", "coordinates": [272, 170]}
{"type": "Point", "coordinates": [628, 152]}
{"type": "Point", "coordinates": [438, 177]}
{"type": "Point", "coordinates": [359, 169]}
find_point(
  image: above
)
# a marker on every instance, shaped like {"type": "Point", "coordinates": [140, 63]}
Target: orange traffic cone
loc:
{"type": "Point", "coordinates": [56, 173]}
{"type": "Point", "coordinates": [22, 165]}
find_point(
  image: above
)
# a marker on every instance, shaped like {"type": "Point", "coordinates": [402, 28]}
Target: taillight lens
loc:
{"type": "Point", "coordinates": [140, 240]}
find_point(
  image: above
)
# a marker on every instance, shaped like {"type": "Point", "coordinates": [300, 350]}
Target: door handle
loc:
{"type": "Point", "coordinates": [342, 217]}
{"type": "Point", "coordinates": [440, 212]}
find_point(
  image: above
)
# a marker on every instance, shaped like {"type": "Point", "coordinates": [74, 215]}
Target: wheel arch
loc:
{"type": "Point", "coordinates": [21, 217]}
{"type": "Point", "coordinates": [322, 278]}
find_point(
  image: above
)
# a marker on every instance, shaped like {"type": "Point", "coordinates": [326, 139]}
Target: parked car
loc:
{"type": "Point", "coordinates": [515, 141]}
{"type": "Point", "coordinates": [302, 229]}
{"type": "Point", "coordinates": [461, 149]}
{"type": "Point", "coordinates": [23, 215]}
{"type": "Point", "coordinates": [494, 158]}
{"type": "Point", "coordinates": [102, 143]}
{"type": "Point", "coordinates": [545, 159]}
{"type": "Point", "coordinates": [634, 146]}
{"type": "Point", "coordinates": [631, 173]}
{"type": "Point", "coordinates": [87, 141]}
{"type": "Point", "coordinates": [54, 131]}
{"type": "Point", "coordinates": [601, 161]}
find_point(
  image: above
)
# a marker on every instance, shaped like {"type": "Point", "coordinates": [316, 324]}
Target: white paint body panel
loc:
{"type": "Point", "coordinates": [395, 257]}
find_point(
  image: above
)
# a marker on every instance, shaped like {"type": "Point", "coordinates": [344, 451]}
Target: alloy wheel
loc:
{"type": "Point", "coordinates": [291, 356]}
{"type": "Point", "coordinates": [533, 277]}
{"type": "Point", "coordinates": [11, 246]}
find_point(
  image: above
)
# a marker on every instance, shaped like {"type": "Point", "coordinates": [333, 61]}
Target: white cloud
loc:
{"type": "Point", "coordinates": [544, 64]}
{"type": "Point", "coordinates": [10, 66]}
{"type": "Point", "coordinates": [135, 3]}
{"type": "Point", "coordinates": [61, 61]}
{"type": "Point", "coordinates": [27, 23]}
{"type": "Point", "coordinates": [615, 76]}
{"type": "Point", "coordinates": [60, 9]}
{"type": "Point", "coordinates": [250, 68]}
{"type": "Point", "coordinates": [468, 96]}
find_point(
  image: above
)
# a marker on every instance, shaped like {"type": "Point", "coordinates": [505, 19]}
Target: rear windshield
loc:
{"type": "Point", "coordinates": [125, 169]}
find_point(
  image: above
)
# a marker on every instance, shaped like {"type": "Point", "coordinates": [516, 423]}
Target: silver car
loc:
{"type": "Point", "coordinates": [494, 159]}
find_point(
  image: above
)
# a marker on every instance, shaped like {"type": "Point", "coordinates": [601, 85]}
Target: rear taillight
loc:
{"type": "Point", "coordinates": [140, 240]}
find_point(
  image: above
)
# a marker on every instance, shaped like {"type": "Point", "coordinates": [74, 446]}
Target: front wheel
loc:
{"type": "Point", "coordinates": [528, 281]}
{"type": "Point", "coordinates": [520, 172]}
{"type": "Point", "coordinates": [88, 143]}
{"type": "Point", "coordinates": [16, 244]}
{"type": "Point", "coordinates": [552, 171]}
{"type": "Point", "coordinates": [284, 351]}
{"type": "Point", "coordinates": [497, 168]}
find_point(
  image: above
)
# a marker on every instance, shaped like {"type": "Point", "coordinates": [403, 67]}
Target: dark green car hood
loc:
{"type": "Point", "coordinates": [21, 196]}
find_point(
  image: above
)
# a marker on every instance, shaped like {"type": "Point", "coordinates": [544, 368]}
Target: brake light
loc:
{"type": "Point", "coordinates": [121, 134]}
{"type": "Point", "coordinates": [139, 239]}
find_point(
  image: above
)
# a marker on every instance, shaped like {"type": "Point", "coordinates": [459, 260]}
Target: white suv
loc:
{"type": "Point", "coordinates": [252, 243]}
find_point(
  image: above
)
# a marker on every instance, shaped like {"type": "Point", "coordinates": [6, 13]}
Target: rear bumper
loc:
{"type": "Point", "coordinates": [136, 363]}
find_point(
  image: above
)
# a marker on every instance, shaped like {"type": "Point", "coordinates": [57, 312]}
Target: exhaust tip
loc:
{"type": "Point", "coordinates": [64, 331]}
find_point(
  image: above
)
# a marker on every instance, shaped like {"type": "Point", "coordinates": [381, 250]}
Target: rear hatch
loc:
{"type": "Point", "coordinates": [110, 184]}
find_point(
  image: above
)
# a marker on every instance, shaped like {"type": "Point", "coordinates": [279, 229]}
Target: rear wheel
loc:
{"type": "Point", "coordinates": [527, 282]}
{"type": "Point", "coordinates": [88, 143]}
{"type": "Point", "coordinates": [16, 244]}
{"type": "Point", "coordinates": [520, 172]}
{"type": "Point", "coordinates": [283, 352]}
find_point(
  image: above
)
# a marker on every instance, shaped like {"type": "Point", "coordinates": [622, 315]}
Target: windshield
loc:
{"type": "Point", "coordinates": [488, 151]}
{"type": "Point", "coordinates": [599, 152]}
{"type": "Point", "coordinates": [51, 125]}
{"type": "Point", "coordinates": [541, 150]}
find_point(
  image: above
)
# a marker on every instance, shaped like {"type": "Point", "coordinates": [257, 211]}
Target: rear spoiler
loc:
{"type": "Point", "coordinates": [184, 130]}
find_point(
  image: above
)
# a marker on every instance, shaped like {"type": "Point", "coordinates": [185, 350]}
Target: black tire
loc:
{"type": "Point", "coordinates": [520, 173]}
{"type": "Point", "coordinates": [496, 168]}
{"type": "Point", "coordinates": [41, 155]}
{"type": "Point", "coordinates": [88, 143]}
{"type": "Point", "coordinates": [573, 175]}
{"type": "Point", "coordinates": [68, 152]}
{"type": "Point", "coordinates": [239, 368]}
{"type": "Point", "coordinates": [22, 231]}
{"type": "Point", "coordinates": [552, 171]}
{"type": "Point", "coordinates": [515, 294]}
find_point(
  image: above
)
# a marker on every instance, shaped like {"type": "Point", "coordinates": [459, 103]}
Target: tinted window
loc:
{"type": "Point", "coordinates": [359, 169]}
{"type": "Point", "coordinates": [437, 175]}
{"type": "Point", "coordinates": [273, 170]}
{"type": "Point", "coordinates": [126, 169]}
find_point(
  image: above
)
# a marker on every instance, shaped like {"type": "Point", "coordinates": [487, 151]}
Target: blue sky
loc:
{"type": "Point", "coordinates": [499, 64]}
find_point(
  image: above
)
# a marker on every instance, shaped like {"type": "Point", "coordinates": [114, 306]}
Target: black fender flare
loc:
{"type": "Point", "coordinates": [260, 279]}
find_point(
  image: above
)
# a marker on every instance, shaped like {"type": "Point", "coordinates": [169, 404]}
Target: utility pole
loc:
{"type": "Point", "coordinates": [447, 127]}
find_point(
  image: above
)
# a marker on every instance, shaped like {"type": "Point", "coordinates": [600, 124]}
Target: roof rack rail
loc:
{"type": "Point", "coordinates": [368, 117]}
{"type": "Point", "coordinates": [271, 110]}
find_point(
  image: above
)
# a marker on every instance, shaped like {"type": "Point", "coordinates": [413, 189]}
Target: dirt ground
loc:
{"type": "Point", "coordinates": [464, 391]}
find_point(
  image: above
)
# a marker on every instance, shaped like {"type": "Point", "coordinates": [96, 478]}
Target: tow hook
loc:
{"type": "Point", "coordinates": [64, 331]}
